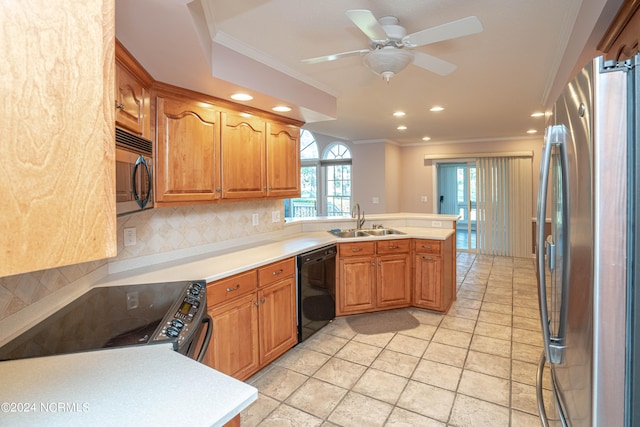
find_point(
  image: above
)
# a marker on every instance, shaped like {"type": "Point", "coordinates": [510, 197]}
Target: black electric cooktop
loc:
{"type": "Point", "coordinates": [103, 317]}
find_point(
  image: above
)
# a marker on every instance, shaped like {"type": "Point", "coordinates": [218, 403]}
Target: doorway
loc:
{"type": "Point", "coordinates": [457, 196]}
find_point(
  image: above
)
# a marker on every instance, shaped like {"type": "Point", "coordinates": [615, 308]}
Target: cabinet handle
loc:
{"type": "Point", "coordinates": [218, 190]}
{"type": "Point", "coordinates": [234, 289]}
{"type": "Point", "coordinates": [119, 106]}
{"type": "Point", "coordinates": [356, 249]}
{"type": "Point", "coordinates": [270, 188]}
{"type": "Point", "coordinates": [275, 273]}
{"type": "Point", "coordinates": [393, 247]}
{"type": "Point", "coordinates": [262, 300]}
{"type": "Point", "coordinates": [256, 303]}
{"type": "Point", "coordinates": [427, 258]}
{"type": "Point", "coordinates": [373, 263]}
{"type": "Point", "coordinates": [379, 264]}
{"type": "Point", "coordinates": [426, 247]}
{"type": "Point", "coordinates": [264, 188]}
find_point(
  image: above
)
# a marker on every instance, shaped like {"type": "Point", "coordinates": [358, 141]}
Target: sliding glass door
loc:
{"type": "Point", "coordinates": [457, 196]}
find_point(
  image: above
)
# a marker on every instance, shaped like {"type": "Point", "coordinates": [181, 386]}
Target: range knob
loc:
{"type": "Point", "coordinates": [194, 291]}
{"type": "Point", "coordinates": [177, 323]}
{"type": "Point", "coordinates": [172, 332]}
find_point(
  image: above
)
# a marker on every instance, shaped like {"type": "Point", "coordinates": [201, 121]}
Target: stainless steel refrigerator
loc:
{"type": "Point", "coordinates": [584, 268]}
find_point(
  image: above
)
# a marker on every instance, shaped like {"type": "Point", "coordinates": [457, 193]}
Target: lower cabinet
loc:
{"type": "Point", "coordinates": [434, 280]}
{"type": "Point", "coordinates": [373, 275]}
{"type": "Point", "coordinates": [254, 319]}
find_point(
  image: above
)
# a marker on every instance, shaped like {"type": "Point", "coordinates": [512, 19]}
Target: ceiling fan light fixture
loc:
{"type": "Point", "coordinates": [388, 61]}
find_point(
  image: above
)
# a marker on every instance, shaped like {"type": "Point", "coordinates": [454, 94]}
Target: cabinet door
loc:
{"type": "Point", "coordinates": [188, 151]}
{"type": "Point", "coordinates": [394, 281]}
{"type": "Point", "coordinates": [132, 103]}
{"type": "Point", "coordinates": [233, 349]}
{"type": "Point", "coordinates": [428, 281]}
{"type": "Point", "coordinates": [283, 160]}
{"type": "Point", "coordinates": [356, 291]}
{"type": "Point", "coordinates": [57, 143]}
{"type": "Point", "coordinates": [243, 156]}
{"type": "Point", "coordinates": [277, 319]}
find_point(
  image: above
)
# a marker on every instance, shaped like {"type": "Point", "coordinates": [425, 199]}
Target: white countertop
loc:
{"type": "Point", "coordinates": [220, 264]}
{"type": "Point", "coordinates": [149, 385]}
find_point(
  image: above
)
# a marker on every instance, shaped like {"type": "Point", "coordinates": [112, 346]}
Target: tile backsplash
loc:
{"type": "Point", "coordinates": [157, 231]}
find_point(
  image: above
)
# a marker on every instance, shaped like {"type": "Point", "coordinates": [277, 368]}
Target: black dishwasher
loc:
{"type": "Point", "coordinates": [316, 290]}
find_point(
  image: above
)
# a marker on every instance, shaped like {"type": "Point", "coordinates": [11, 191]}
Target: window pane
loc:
{"type": "Point", "coordinates": [308, 146]}
{"type": "Point", "coordinates": [338, 190]}
{"type": "Point", "coordinates": [307, 204]}
{"type": "Point", "coordinates": [338, 151]}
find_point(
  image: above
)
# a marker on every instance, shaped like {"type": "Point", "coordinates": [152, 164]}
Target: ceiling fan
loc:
{"type": "Point", "coordinates": [390, 48]}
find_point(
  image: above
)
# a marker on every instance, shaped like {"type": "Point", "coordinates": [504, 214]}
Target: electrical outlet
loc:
{"type": "Point", "coordinates": [130, 236]}
{"type": "Point", "coordinates": [424, 199]}
{"type": "Point", "coordinates": [275, 216]}
{"type": "Point", "coordinates": [255, 219]}
{"type": "Point", "coordinates": [133, 301]}
{"type": "Point", "coordinates": [436, 223]}
{"type": "Point", "coordinates": [375, 200]}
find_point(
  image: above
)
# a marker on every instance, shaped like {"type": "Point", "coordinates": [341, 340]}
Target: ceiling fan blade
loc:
{"type": "Point", "coordinates": [450, 30]}
{"type": "Point", "coordinates": [433, 64]}
{"type": "Point", "coordinates": [368, 24]}
{"type": "Point", "coordinates": [334, 56]}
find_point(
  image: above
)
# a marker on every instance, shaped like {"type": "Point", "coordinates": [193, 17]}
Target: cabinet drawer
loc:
{"type": "Point", "coordinates": [393, 246]}
{"type": "Point", "coordinates": [428, 246]}
{"type": "Point", "coordinates": [232, 287]}
{"type": "Point", "coordinates": [356, 249]}
{"type": "Point", "coordinates": [276, 271]}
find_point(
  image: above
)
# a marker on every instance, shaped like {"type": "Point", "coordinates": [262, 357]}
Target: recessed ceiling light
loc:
{"type": "Point", "coordinates": [246, 115]}
{"type": "Point", "coordinates": [426, 138]}
{"type": "Point", "coordinates": [537, 114]}
{"type": "Point", "coordinates": [281, 108]}
{"type": "Point", "coordinates": [402, 127]}
{"type": "Point", "coordinates": [436, 108]}
{"type": "Point", "coordinates": [399, 114]}
{"type": "Point", "coordinates": [532, 131]}
{"type": "Point", "coordinates": [241, 97]}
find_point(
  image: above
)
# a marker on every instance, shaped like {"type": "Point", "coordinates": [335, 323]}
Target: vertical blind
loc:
{"type": "Point", "coordinates": [504, 201]}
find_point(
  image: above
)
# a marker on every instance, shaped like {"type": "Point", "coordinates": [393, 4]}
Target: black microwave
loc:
{"type": "Point", "coordinates": [134, 177]}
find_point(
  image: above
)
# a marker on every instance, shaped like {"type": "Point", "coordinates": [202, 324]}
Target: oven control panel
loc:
{"type": "Point", "coordinates": [185, 315]}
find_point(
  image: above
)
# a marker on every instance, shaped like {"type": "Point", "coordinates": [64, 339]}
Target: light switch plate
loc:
{"type": "Point", "coordinates": [255, 219]}
{"type": "Point", "coordinates": [275, 216]}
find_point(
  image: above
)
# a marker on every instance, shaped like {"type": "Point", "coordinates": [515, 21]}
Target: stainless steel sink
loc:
{"type": "Point", "coordinates": [349, 233]}
{"type": "Point", "coordinates": [382, 231]}
{"type": "Point", "coordinates": [365, 233]}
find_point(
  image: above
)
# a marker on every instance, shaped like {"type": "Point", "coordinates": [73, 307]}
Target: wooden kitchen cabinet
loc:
{"type": "Point", "coordinates": [283, 160]}
{"type": "Point", "coordinates": [260, 158]}
{"type": "Point", "coordinates": [434, 281]}
{"type": "Point", "coordinates": [254, 318]}
{"type": "Point", "coordinates": [133, 104]}
{"type": "Point", "coordinates": [57, 143]}
{"type": "Point", "coordinates": [243, 156]}
{"type": "Point", "coordinates": [373, 275]}
{"type": "Point", "coordinates": [188, 150]}
{"type": "Point", "coordinates": [234, 346]}
{"type": "Point", "coordinates": [394, 273]}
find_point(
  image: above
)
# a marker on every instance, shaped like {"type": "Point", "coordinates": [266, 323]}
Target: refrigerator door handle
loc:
{"type": "Point", "coordinates": [555, 136]}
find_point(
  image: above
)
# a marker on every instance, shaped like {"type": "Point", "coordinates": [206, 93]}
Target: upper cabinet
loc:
{"type": "Point", "coordinates": [283, 160]}
{"type": "Point", "coordinates": [57, 143]}
{"type": "Point", "coordinates": [243, 156]}
{"type": "Point", "coordinates": [260, 158]}
{"type": "Point", "coordinates": [622, 39]}
{"type": "Point", "coordinates": [187, 151]}
{"type": "Point", "coordinates": [132, 102]}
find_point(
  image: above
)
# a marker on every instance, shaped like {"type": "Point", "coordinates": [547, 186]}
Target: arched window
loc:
{"type": "Point", "coordinates": [325, 184]}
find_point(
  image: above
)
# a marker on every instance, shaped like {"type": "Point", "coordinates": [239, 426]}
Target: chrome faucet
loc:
{"type": "Point", "coordinates": [359, 220]}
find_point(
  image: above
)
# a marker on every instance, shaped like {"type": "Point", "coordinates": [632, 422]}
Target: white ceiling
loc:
{"type": "Point", "coordinates": [514, 67]}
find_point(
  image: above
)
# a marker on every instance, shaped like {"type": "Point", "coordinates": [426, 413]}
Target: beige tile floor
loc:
{"type": "Point", "coordinates": [474, 366]}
